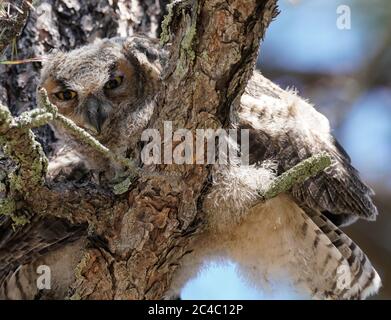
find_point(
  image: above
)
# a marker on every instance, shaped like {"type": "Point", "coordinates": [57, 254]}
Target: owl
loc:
{"type": "Point", "coordinates": [296, 236]}
{"type": "Point", "coordinates": [109, 88]}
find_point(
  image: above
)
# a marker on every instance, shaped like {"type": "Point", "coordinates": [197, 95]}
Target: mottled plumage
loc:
{"type": "Point", "coordinates": [294, 235]}
{"type": "Point", "coordinates": [43, 241]}
{"type": "Point", "coordinates": [107, 88]}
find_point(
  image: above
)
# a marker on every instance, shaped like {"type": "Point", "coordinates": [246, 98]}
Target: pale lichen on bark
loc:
{"type": "Point", "coordinates": [33, 119]}
{"type": "Point", "coordinates": [8, 208]}
{"type": "Point", "coordinates": [296, 175]}
{"type": "Point", "coordinates": [19, 144]}
{"type": "Point", "coordinates": [165, 34]}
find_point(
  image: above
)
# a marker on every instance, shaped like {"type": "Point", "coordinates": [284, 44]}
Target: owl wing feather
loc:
{"type": "Point", "coordinates": [286, 129]}
{"type": "Point", "coordinates": [347, 271]}
{"type": "Point", "coordinates": [31, 241]}
{"type": "Point", "coordinates": [338, 191]}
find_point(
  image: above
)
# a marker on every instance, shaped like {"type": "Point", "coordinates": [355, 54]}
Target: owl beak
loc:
{"type": "Point", "coordinates": [96, 114]}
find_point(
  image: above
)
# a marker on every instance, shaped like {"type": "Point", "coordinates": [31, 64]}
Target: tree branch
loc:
{"type": "Point", "coordinates": [296, 175]}
{"type": "Point", "coordinates": [33, 119]}
{"type": "Point", "coordinates": [20, 145]}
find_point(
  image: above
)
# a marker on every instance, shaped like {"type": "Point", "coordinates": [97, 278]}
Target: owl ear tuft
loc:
{"type": "Point", "coordinates": [50, 62]}
{"type": "Point", "coordinates": [146, 53]}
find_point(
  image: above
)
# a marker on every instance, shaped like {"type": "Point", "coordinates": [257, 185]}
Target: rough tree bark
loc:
{"type": "Point", "coordinates": [144, 233]}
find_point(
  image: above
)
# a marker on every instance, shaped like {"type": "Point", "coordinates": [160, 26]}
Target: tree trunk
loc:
{"type": "Point", "coordinates": [143, 234]}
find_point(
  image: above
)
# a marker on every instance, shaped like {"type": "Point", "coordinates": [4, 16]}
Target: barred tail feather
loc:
{"type": "Point", "coordinates": [280, 241]}
{"type": "Point", "coordinates": [352, 274]}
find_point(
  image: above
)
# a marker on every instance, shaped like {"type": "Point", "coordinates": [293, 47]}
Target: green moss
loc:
{"type": "Point", "coordinates": [8, 208]}
{"type": "Point", "coordinates": [188, 40]}
{"type": "Point", "coordinates": [34, 169]}
{"type": "Point", "coordinates": [165, 34]}
{"type": "Point", "coordinates": [19, 221]}
{"type": "Point", "coordinates": [5, 117]}
{"type": "Point", "coordinates": [186, 52]}
{"type": "Point", "coordinates": [16, 182]}
{"type": "Point", "coordinates": [181, 68]}
{"type": "Point", "coordinates": [123, 186]}
{"type": "Point", "coordinates": [296, 175]}
{"type": "Point", "coordinates": [81, 265]}
{"type": "Point", "coordinates": [75, 296]}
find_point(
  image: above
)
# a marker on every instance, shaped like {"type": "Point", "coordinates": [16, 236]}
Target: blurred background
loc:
{"type": "Point", "coordinates": [337, 53]}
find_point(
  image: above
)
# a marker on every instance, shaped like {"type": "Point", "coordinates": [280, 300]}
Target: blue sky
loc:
{"type": "Point", "coordinates": [367, 134]}
{"type": "Point", "coordinates": [218, 281]}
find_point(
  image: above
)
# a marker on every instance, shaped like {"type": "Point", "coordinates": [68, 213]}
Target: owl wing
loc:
{"type": "Point", "coordinates": [286, 129]}
{"type": "Point", "coordinates": [30, 242]}
{"type": "Point", "coordinates": [338, 192]}
{"type": "Point", "coordinates": [341, 270]}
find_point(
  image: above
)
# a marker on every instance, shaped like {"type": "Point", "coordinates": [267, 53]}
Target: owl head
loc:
{"type": "Point", "coordinates": [103, 81]}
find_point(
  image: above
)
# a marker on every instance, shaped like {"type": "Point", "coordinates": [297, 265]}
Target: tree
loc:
{"type": "Point", "coordinates": [141, 236]}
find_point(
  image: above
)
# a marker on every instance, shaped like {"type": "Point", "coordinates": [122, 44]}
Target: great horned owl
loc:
{"type": "Point", "coordinates": [295, 236]}
{"type": "Point", "coordinates": [109, 87]}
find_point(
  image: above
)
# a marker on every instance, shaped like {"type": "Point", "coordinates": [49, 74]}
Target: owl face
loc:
{"type": "Point", "coordinates": [92, 85]}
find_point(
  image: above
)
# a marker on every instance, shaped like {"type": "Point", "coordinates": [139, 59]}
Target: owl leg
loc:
{"type": "Point", "coordinates": [234, 191]}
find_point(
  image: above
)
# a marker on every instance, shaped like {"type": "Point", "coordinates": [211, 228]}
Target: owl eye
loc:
{"type": "Point", "coordinates": [114, 83]}
{"type": "Point", "coordinates": [66, 95]}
